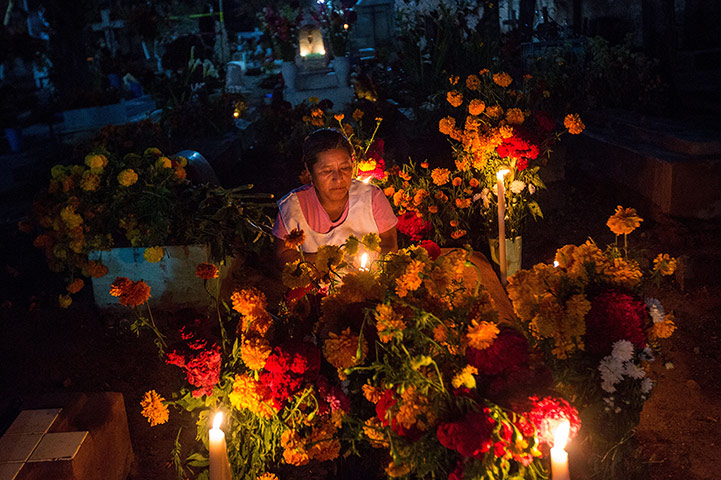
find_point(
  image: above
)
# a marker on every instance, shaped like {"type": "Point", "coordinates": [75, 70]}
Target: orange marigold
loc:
{"type": "Point", "coordinates": [339, 116]}
{"type": "Point", "coordinates": [440, 176]}
{"type": "Point", "coordinates": [294, 452]}
{"type": "Point", "coordinates": [410, 280]}
{"type": "Point", "coordinates": [432, 209]}
{"type": "Point", "coordinates": [573, 123]}
{"type": "Point", "coordinates": [458, 234]}
{"type": "Point", "coordinates": [76, 285]}
{"type": "Point", "coordinates": [96, 269]}
{"type": "Point", "coordinates": [248, 301]}
{"type": "Point", "coordinates": [446, 125]}
{"type": "Point", "coordinates": [663, 329]}
{"type": "Point", "coordinates": [390, 325]}
{"type": "Point", "coordinates": [476, 107]}
{"type": "Point", "coordinates": [395, 470]}
{"type": "Point", "coordinates": [357, 114]}
{"type": "Point", "coordinates": [389, 191]}
{"type": "Point", "coordinates": [374, 430]}
{"type": "Point", "coordinates": [206, 271]}
{"type": "Point", "coordinates": [515, 116]}
{"type": "Point", "coordinates": [473, 182]}
{"type": "Point", "coordinates": [127, 177]}
{"type": "Point", "coordinates": [371, 393]}
{"type": "Point", "coordinates": [457, 181]}
{"type": "Point", "coordinates": [119, 285]}
{"type": "Point", "coordinates": [268, 476]}
{"type": "Point", "coordinates": [463, 202]}
{"type": "Point", "coordinates": [664, 264]}
{"type": "Point", "coordinates": [494, 111]}
{"type": "Point", "coordinates": [255, 351]}
{"type": "Point", "coordinates": [455, 98]}
{"type": "Point", "coordinates": [154, 409]}
{"type": "Point", "coordinates": [502, 79]}
{"type": "Point", "coordinates": [624, 221]}
{"type": "Point", "coordinates": [252, 395]}
{"type": "Point", "coordinates": [481, 335]}
{"type": "Point", "coordinates": [135, 293]}
{"type": "Point", "coordinates": [473, 82]}
{"type": "Point", "coordinates": [341, 351]}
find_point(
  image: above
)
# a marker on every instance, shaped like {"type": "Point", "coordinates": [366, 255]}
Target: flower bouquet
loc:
{"type": "Point", "coordinates": [336, 21]}
{"type": "Point", "coordinates": [138, 200]}
{"type": "Point", "coordinates": [588, 316]}
{"type": "Point", "coordinates": [492, 127]}
{"type": "Point", "coordinates": [282, 25]}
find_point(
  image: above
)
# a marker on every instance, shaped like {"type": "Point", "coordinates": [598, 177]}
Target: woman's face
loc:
{"type": "Point", "coordinates": [332, 174]}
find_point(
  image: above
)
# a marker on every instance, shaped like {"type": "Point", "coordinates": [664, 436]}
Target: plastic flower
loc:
{"type": "Point", "coordinates": [573, 123]}
{"type": "Point", "coordinates": [481, 335]}
{"type": "Point", "coordinates": [154, 409]}
{"type": "Point", "coordinates": [664, 264]}
{"type": "Point", "coordinates": [295, 238]}
{"type": "Point", "coordinates": [440, 176]}
{"type": "Point", "coordinates": [455, 98]}
{"type": "Point", "coordinates": [624, 221]}
{"type": "Point", "coordinates": [153, 254]}
{"type": "Point", "coordinates": [206, 271]}
{"type": "Point", "coordinates": [127, 177]}
{"type": "Point", "coordinates": [502, 79]}
{"type": "Point", "coordinates": [76, 285]}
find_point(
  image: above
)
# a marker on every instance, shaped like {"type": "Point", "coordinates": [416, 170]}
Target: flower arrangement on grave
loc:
{"type": "Point", "coordinates": [282, 25]}
{"type": "Point", "coordinates": [396, 356]}
{"type": "Point", "coordinates": [138, 200]}
{"type": "Point", "coordinates": [588, 315]}
{"type": "Point", "coordinates": [336, 20]}
{"type": "Point", "coordinates": [492, 126]}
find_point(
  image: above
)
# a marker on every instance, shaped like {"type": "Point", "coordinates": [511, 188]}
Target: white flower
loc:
{"type": "Point", "coordinates": [472, 21]}
{"type": "Point", "coordinates": [484, 196]}
{"type": "Point", "coordinates": [611, 373]}
{"type": "Point", "coordinates": [476, 197]}
{"type": "Point", "coordinates": [622, 350]}
{"type": "Point", "coordinates": [655, 309]}
{"type": "Point", "coordinates": [646, 385]}
{"type": "Point", "coordinates": [531, 188]}
{"type": "Point", "coordinates": [634, 371]}
{"type": "Point", "coordinates": [517, 186]}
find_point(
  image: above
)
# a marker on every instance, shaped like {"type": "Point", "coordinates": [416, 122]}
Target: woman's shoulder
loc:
{"type": "Point", "coordinates": [302, 191]}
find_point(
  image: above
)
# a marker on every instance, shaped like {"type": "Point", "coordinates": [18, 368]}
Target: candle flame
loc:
{"type": "Point", "coordinates": [555, 264]}
{"type": "Point", "coordinates": [217, 420]}
{"type": "Point", "coordinates": [502, 173]}
{"type": "Point", "coordinates": [560, 437]}
{"type": "Point", "coordinates": [366, 179]}
{"type": "Point", "coordinates": [363, 261]}
{"type": "Point", "coordinates": [346, 26]}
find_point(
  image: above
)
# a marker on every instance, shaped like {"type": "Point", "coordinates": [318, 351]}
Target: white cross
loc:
{"type": "Point", "coordinates": [107, 27]}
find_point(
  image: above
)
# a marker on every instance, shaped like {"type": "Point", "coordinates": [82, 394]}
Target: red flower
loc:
{"type": "Point", "coordinates": [546, 414]}
{"type": "Point", "coordinates": [614, 316]}
{"type": "Point", "coordinates": [508, 353]}
{"type": "Point", "coordinates": [519, 148]}
{"type": "Point", "coordinates": [458, 473]}
{"type": "Point", "coordinates": [287, 368]}
{"type": "Point", "coordinates": [434, 251]}
{"type": "Point", "coordinates": [470, 437]}
{"type": "Point", "coordinates": [413, 226]}
{"type": "Point", "coordinates": [200, 361]}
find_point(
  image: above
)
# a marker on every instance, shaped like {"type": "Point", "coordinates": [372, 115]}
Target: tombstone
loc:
{"type": "Point", "coordinates": [234, 76]}
{"type": "Point", "coordinates": [108, 27]}
{"type": "Point", "coordinates": [375, 24]}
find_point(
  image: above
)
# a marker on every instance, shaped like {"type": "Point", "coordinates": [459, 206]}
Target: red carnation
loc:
{"type": "Point", "coordinates": [508, 353]}
{"type": "Point", "coordinates": [546, 414]}
{"type": "Point", "coordinates": [413, 226]}
{"type": "Point", "coordinates": [200, 361]}
{"type": "Point", "coordinates": [287, 368]}
{"type": "Point", "coordinates": [434, 251]}
{"type": "Point", "coordinates": [520, 149]}
{"type": "Point", "coordinates": [614, 316]}
{"type": "Point", "coordinates": [470, 437]}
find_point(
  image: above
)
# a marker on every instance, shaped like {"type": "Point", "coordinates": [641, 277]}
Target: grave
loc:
{"type": "Point", "coordinates": [673, 165]}
{"type": "Point", "coordinates": [82, 436]}
{"type": "Point", "coordinates": [375, 24]}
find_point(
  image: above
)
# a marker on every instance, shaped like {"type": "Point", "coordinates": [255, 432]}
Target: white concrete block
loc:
{"type": "Point", "coordinates": [9, 471]}
{"type": "Point", "coordinates": [33, 421]}
{"type": "Point", "coordinates": [18, 448]}
{"type": "Point", "coordinates": [62, 446]}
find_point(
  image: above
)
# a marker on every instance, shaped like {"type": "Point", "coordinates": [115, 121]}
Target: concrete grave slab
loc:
{"type": "Point", "coordinates": [18, 448]}
{"type": "Point", "coordinates": [33, 421]}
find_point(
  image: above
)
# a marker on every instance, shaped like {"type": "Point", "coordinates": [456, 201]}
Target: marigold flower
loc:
{"type": "Point", "coordinates": [254, 352]}
{"type": "Point", "coordinates": [367, 165]}
{"type": "Point", "coordinates": [494, 111]}
{"type": "Point", "coordinates": [502, 79]}
{"type": "Point", "coordinates": [154, 409]}
{"type": "Point", "coordinates": [76, 285]}
{"type": "Point", "coordinates": [473, 82]}
{"type": "Point", "coordinates": [481, 335]}
{"type": "Point", "coordinates": [297, 274]}
{"type": "Point", "coordinates": [371, 393]}
{"type": "Point", "coordinates": [446, 125]}
{"type": "Point", "coordinates": [328, 258]}
{"type": "Point", "coordinates": [339, 116]}
{"type": "Point", "coordinates": [440, 176]}
{"type": "Point", "coordinates": [268, 476]}
{"type": "Point", "coordinates": [476, 107]}
{"type": "Point", "coordinates": [96, 269]}
{"type": "Point", "coordinates": [96, 162]}
{"type": "Point", "coordinates": [515, 116]}
{"type": "Point", "coordinates": [295, 238]}
{"type": "Point", "coordinates": [662, 329]}
{"type": "Point", "coordinates": [432, 209]}
{"type": "Point", "coordinates": [664, 264]}
{"type": "Point", "coordinates": [252, 395]}
{"type": "Point", "coordinates": [389, 191]}
{"type": "Point", "coordinates": [465, 377]}
{"type": "Point", "coordinates": [410, 280]}
{"type": "Point", "coordinates": [415, 410]}
{"type": "Point", "coordinates": [483, 72]}
{"type": "Point", "coordinates": [90, 181]}
{"type": "Point", "coordinates": [248, 301]}
{"type": "Point", "coordinates": [357, 114]}
{"type": "Point", "coordinates": [374, 430]}
{"type": "Point", "coordinates": [424, 164]}
{"type": "Point", "coordinates": [624, 221]}
{"type": "Point", "coordinates": [573, 123]}
{"type": "Point", "coordinates": [294, 452]}
{"type": "Point", "coordinates": [458, 234]}
{"type": "Point", "coordinates": [152, 151]}
{"type": "Point", "coordinates": [473, 183]}
{"type": "Point", "coordinates": [420, 195]}
{"type": "Point", "coordinates": [64, 301]}
{"type": "Point", "coordinates": [206, 271]}
{"type": "Point", "coordinates": [455, 98]}
{"type": "Point", "coordinates": [181, 173]}
{"type": "Point", "coordinates": [395, 470]}
{"type": "Point", "coordinates": [127, 177]}
{"type": "Point", "coordinates": [463, 202]}
{"type": "Point", "coordinates": [70, 218]}
{"type": "Point", "coordinates": [153, 254]}
{"type": "Point", "coordinates": [341, 350]}
{"type": "Point", "coordinates": [390, 324]}
{"type": "Point", "coordinates": [163, 162]}
{"type": "Point", "coordinates": [119, 285]}
{"type": "Point", "coordinates": [134, 294]}
{"type": "Point", "coordinates": [453, 79]}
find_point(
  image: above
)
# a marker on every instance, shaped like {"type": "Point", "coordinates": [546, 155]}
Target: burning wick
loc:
{"type": "Point", "coordinates": [559, 456]}
{"type": "Point", "coordinates": [364, 261]}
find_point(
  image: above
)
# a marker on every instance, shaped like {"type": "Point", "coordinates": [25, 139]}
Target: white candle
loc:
{"type": "Point", "coordinates": [559, 456]}
{"type": "Point", "coordinates": [219, 465]}
{"type": "Point", "coordinates": [501, 194]}
{"type": "Point", "coordinates": [364, 261]}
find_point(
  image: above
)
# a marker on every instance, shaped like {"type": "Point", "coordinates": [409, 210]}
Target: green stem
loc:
{"type": "Point", "coordinates": [155, 330]}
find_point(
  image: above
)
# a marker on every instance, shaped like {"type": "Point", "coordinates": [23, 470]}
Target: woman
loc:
{"type": "Point", "coordinates": [334, 205]}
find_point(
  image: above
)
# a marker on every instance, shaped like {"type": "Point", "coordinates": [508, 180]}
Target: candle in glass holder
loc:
{"type": "Point", "coordinates": [559, 456]}
{"type": "Point", "coordinates": [501, 194]}
{"type": "Point", "coordinates": [219, 465]}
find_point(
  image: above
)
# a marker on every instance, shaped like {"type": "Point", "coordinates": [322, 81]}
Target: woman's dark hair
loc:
{"type": "Point", "coordinates": [322, 140]}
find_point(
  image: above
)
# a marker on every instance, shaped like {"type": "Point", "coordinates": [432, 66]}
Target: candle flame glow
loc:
{"type": "Point", "coordinates": [363, 261]}
{"type": "Point", "coordinates": [502, 173]}
{"type": "Point", "coordinates": [560, 437]}
{"type": "Point", "coordinates": [555, 264]}
{"type": "Point", "coordinates": [346, 26]}
{"type": "Point", "coordinates": [217, 420]}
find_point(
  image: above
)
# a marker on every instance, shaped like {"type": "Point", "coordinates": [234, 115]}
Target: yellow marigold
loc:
{"type": "Point", "coordinates": [664, 264]}
{"type": "Point", "coordinates": [410, 280]}
{"type": "Point", "coordinates": [153, 254]}
{"type": "Point", "coordinates": [415, 410]}
{"type": "Point", "coordinates": [453, 79]}
{"type": "Point", "coordinates": [494, 111]}
{"type": "Point", "coordinates": [662, 329]}
{"type": "Point", "coordinates": [502, 79]}
{"type": "Point", "coordinates": [268, 476]}
{"type": "Point", "coordinates": [463, 202]}
{"type": "Point", "coordinates": [294, 452]}
{"type": "Point", "coordinates": [390, 325]}
{"type": "Point", "coordinates": [64, 301]}
{"type": "Point", "coordinates": [154, 409]}
{"type": "Point", "coordinates": [328, 258]}
{"type": "Point", "coordinates": [455, 98]}
{"type": "Point", "coordinates": [127, 177]}
{"type": "Point", "coordinates": [564, 324]}
{"type": "Point", "coordinates": [573, 123]}
{"type": "Point", "coordinates": [473, 82]}
{"type": "Point", "coordinates": [371, 393]}
{"type": "Point", "coordinates": [440, 176]}
{"type": "Point", "coordinates": [76, 285]}
{"type": "Point", "coordinates": [206, 271]}
{"type": "Point", "coordinates": [372, 241]}
{"type": "Point", "coordinates": [624, 272]}
{"type": "Point", "coordinates": [339, 116]}
{"type": "Point", "coordinates": [515, 116]}
{"type": "Point", "coordinates": [255, 351]}
{"type": "Point", "coordinates": [357, 114]}
{"type": "Point", "coordinates": [96, 162]}
{"type": "Point", "coordinates": [297, 274]}
{"type": "Point", "coordinates": [624, 221]}
{"type": "Point", "coordinates": [458, 234]}
{"type": "Point", "coordinates": [252, 395]}
{"type": "Point", "coordinates": [465, 377]}
{"type": "Point", "coordinates": [341, 351]}
{"type": "Point", "coordinates": [181, 173]}
{"type": "Point", "coordinates": [481, 335]}
{"type": "Point", "coordinates": [367, 165]}
{"type": "Point", "coordinates": [90, 181]}
{"type": "Point", "coordinates": [70, 218]}
{"type": "Point", "coordinates": [374, 430]}
{"type": "Point", "coordinates": [248, 301]}
{"type": "Point", "coordinates": [395, 470]}
{"type": "Point", "coordinates": [163, 162]}
{"type": "Point", "coordinates": [476, 107]}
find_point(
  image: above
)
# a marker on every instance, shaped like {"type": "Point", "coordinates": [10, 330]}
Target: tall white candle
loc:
{"type": "Point", "coordinates": [219, 465]}
{"type": "Point", "coordinates": [559, 456]}
{"type": "Point", "coordinates": [501, 194]}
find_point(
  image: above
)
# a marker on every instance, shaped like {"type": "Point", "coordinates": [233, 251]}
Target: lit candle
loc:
{"type": "Point", "coordinates": [559, 456]}
{"type": "Point", "coordinates": [501, 193]}
{"type": "Point", "coordinates": [219, 465]}
{"type": "Point", "coordinates": [364, 261]}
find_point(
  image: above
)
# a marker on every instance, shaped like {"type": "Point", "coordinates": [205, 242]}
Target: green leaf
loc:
{"type": "Point", "coordinates": [535, 210]}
